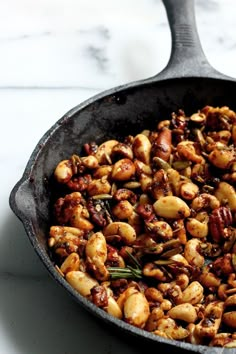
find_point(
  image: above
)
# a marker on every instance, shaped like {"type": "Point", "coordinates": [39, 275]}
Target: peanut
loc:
{"type": "Point", "coordinates": [123, 170]}
{"type": "Point", "coordinates": [63, 171]}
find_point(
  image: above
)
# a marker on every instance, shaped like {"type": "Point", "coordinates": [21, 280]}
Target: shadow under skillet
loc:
{"type": "Point", "coordinates": [16, 252]}
{"type": "Point", "coordinates": [38, 317]}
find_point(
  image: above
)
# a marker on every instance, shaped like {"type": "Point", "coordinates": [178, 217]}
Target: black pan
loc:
{"type": "Point", "coordinates": [188, 82]}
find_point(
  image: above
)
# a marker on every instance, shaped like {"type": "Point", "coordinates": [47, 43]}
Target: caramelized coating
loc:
{"type": "Point", "coordinates": [145, 227]}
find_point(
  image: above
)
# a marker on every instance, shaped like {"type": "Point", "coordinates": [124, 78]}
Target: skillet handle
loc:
{"type": "Point", "coordinates": [187, 58]}
{"type": "Point", "coordinates": [22, 201]}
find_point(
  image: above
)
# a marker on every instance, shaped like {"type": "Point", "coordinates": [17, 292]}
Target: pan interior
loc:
{"type": "Point", "coordinates": [113, 115]}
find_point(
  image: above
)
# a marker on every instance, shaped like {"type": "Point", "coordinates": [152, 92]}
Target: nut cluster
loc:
{"type": "Point", "coordinates": [145, 228]}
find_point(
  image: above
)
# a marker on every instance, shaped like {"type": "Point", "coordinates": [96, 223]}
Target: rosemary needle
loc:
{"type": "Point", "coordinates": [128, 272]}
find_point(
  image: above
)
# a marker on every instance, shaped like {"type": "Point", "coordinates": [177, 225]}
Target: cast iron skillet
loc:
{"type": "Point", "coordinates": [187, 82]}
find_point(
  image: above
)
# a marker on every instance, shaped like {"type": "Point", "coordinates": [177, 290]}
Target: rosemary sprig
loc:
{"type": "Point", "coordinates": [128, 272]}
{"type": "Point", "coordinates": [134, 260]}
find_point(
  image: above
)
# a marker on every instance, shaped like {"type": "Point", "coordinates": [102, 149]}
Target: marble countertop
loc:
{"type": "Point", "coordinates": [54, 55]}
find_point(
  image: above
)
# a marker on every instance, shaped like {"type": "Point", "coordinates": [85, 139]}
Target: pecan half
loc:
{"type": "Point", "coordinates": [98, 210]}
{"type": "Point", "coordinates": [90, 148]}
{"type": "Point", "coordinates": [63, 207]}
{"type": "Point", "coordinates": [220, 218]}
{"type": "Point", "coordinates": [125, 194]}
{"type": "Point", "coordinates": [79, 183]}
{"type": "Point", "coordinates": [223, 265]}
{"type": "Point", "coordinates": [113, 259]}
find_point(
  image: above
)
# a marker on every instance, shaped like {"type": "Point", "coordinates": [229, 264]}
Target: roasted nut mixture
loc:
{"type": "Point", "coordinates": [145, 228]}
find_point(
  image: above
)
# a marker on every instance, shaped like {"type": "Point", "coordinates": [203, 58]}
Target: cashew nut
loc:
{"type": "Point", "coordinates": [155, 315]}
{"type": "Point", "coordinates": [209, 325]}
{"type": "Point", "coordinates": [197, 228]}
{"type": "Point", "coordinates": [193, 294]}
{"type": "Point", "coordinates": [169, 326]}
{"type": "Point", "coordinates": [126, 231]}
{"type": "Point", "coordinates": [191, 253]}
{"type": "Point", "coordinates": [226, 192]}
{"type": "Point", "coordinates": [104, 151]}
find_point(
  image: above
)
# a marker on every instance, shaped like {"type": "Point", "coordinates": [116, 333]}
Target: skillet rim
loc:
{"type": "Point", "coordinates": [24, 182]}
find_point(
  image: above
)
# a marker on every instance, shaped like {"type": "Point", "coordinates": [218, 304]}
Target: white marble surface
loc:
{"type": "Point", "coordinates": [55, 54]}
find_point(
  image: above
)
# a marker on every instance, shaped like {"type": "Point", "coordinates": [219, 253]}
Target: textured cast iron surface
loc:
{"type": "Point", "coordinates": [115, 114]}
{"type": "Point", "coordinates": [126, 110]}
